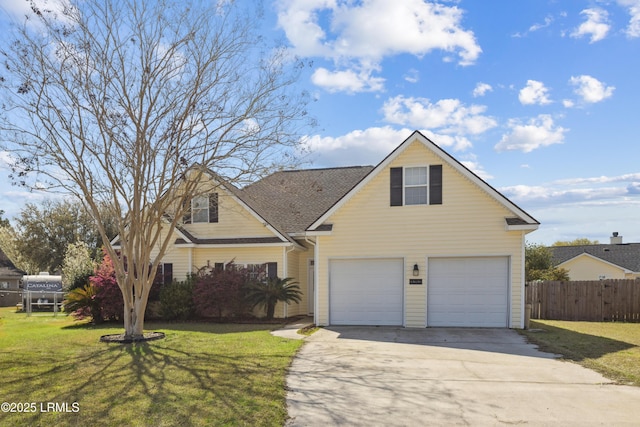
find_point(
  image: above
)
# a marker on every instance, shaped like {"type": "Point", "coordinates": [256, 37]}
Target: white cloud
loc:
{"type": "Point", "coordinates": [471, 162]}
{"type": "Point", "coordinates": [346, 81]}
{"type": "Point", "coordinates": [590, 89]}
{"type": "Point", "coordinates": [412, 76]}
{"type": "Point", "coordinates": [581, 207]}
{"type": "Point", "coordinates": [481, 89]}
{"type": "Point", "coordinates": [534, 93]}
{"type": "Point", "coordinates": [370, 146]}
{"type": "Point", "coordinates": [547, 21]}
{"type": "Point", "coordinates": [447, 116]}
{"type": "Point", "coordinates": [359, 147]}
{"type": "Point", "coordinates": [590, 190]}
{"type": "Point", "coordinates": [596, 26]}
{"type": "Point", "coordinates": [567, 103]}
{"type": "Point", "coordinates": [526, 137]}
{"type": "Point", "coordinates": [633, 29]}
{"type": "Point", "coordinates": [362, 34]}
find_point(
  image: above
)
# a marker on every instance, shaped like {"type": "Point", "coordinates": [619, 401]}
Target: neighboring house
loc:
{"type": "Point", "coordinates": [418, 240]}
{"type": "Point", "coordinates": [616, 260]}
{"type": "Point", "coordinates": [10, 276]}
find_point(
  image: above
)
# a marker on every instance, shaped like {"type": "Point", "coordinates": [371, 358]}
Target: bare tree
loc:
{"type": "Point", "coordinates": [120, 102]}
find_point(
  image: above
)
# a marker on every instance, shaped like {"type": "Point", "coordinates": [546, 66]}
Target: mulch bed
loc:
{"type": "Point", "coordinates": [121, 339]}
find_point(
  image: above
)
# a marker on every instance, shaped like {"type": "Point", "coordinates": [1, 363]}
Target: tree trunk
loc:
{"type": "Point", "coordinates": [134, 318]}
{"type": "Point", "coordinates": [270, 310]}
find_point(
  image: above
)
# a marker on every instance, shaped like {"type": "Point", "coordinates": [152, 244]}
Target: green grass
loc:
{"type": "Point", "coordinates": [613, 349]}
{"type": "Point", "coordinates": [201, 374]}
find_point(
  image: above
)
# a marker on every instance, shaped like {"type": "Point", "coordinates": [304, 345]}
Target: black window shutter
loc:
{"type": "Point", "coordinates": [272, 270]}
{"type": "Point", "coordinates": [435, 184]}
{"type": "Point", "coordinates": [167, 270]}
{"type": "Point", "coordinates": [186, 217]}
{"type": "Point", "coordinates": [396, 186]}
{"type": "Point", "coordinates": [218, 266]}
{"type": "Point", "coordinates": [213, 207]}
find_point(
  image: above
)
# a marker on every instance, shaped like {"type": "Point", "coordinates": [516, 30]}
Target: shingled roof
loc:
{"type": "Point", "coordinates": [295, 199]}
{"type": "Point", "coordinates": [625, 255]}
{"type": "Point", "coordinates": [7, 268]}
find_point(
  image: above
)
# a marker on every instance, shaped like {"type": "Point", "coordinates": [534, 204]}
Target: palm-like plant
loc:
{"type": "Point", "coordinates": [268, 294]}
{"type": "Point", "coordinates": [82, 303]}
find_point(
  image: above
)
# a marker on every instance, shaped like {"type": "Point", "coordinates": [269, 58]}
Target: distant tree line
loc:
{"type": "Point", "coordinates": [57, 236]}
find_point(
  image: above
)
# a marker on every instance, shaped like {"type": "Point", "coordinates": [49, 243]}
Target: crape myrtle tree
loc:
{"type": "Point", "coordinates": [120, 102]}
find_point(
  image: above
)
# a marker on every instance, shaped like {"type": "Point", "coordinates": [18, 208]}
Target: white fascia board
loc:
{"type": "Point", "coordinates": [524, 227]}
{"type": "Point", "coordinates": [310, 233]}
{"type": "Point", "coordinates": [237, 245]}
{"type": "Point", "coordinates": [446, 157]}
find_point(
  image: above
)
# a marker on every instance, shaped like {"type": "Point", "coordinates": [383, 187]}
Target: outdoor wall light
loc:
{"type": "Point", "coordinates": [416, 270]}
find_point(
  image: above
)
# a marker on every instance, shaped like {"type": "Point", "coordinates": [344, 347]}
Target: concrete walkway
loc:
{"type": "Point", "coordinates": [373, 376]}
{"type": "Point", "coordinates": [291, 329]}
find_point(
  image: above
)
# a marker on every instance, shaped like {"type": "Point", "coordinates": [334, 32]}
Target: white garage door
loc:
{"type": "Point", "coordinates": [365, 292]}
{"type": "Point", "coordinates": [468, 292]}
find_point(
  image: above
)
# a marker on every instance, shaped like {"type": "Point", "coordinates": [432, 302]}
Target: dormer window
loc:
{"type": "Point", "coordinates": [415, 186]}
{"type": "Point", "coordinates": [203, 209]}
{"type": "Point", "coordinates": [200, 209]}
{"type": "Point", "coordinates": [420, 185]}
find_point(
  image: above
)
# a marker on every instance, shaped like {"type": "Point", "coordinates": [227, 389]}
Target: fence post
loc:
{"type": "Point", "coordinates": [527, 315]}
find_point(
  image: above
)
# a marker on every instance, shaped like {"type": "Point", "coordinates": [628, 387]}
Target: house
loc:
{"type": "Point", "coordinates": [10, 276]}
{"type": "Point", "coordinates": [418, 240]}
{"type": "Point", "coordinates": [615, 260]}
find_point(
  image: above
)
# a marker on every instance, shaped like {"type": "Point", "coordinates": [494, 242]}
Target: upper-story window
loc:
{"type": "Point", "coordinates": [203, 209]}
{"type": "Point", "coordinates": [420, 185]}
{"type": "Point", "coordinates": [415, 186]}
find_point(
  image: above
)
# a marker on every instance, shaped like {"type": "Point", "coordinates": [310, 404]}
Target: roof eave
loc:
{"type": "Point", "coordinates": [418, 136]}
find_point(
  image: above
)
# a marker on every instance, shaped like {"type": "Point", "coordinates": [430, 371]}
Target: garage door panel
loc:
{"type": "Point", "coordinates": [468, 292]}
{"type": "Point", "coordinates": [366, 292]}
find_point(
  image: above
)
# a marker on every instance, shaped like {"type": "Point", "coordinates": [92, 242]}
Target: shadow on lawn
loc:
{"type": "Point", "coordinates": [571, 344]}
{"type": "Point", "coordinates": [162, 382]}
{"type": "Point", "coordinates": [188, 326]}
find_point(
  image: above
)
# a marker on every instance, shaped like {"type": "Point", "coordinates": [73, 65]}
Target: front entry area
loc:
{"type": "Point", "coordinates": [366, 291]}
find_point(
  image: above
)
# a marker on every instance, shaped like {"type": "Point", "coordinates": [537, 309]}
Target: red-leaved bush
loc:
{"type": "Point", "coordinates": [108, 294]}
{"type": "Point", "coordinates": [221, 292]}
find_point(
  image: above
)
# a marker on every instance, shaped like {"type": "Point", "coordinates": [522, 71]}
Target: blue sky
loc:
{"type": "Point", "coordinates": [539, 98]}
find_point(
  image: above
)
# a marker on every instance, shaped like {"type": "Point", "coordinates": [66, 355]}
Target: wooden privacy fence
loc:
{"type": "Point", "coordinates": [596, 301]}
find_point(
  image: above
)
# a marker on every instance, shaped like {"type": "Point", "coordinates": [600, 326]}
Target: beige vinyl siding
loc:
{"type": "Point", "coordinates": [468, 223]}
{"type": "Point", "coordinates": [585, 267]}
{"type": "Point", "coordinates": [234, 220]}
{"type": "Point", "coordinates": [293, 259]}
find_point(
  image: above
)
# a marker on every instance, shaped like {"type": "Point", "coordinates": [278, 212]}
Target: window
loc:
{"type": "Point", "coordinates": [415, 186]}
{"type": "Point", "coordinates": [164, 273]}
{"type": "Point", "coordinates": [200, 209]}
{"type": "Point", "coordinates": [203, 209]}
{"type": "Point", "coordinates": [258, 272]}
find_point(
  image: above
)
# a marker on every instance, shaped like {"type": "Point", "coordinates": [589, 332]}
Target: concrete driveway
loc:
{"type": "Point", "coordinates": [377, 376]}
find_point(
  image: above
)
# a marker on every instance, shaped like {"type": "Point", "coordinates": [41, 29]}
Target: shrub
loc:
{"type": "Point", "coordinates": [268, 294]}
{"type": "Point", "coordinates": [108, 292]}
{"type": "Point", "coordinates": [221, 293]}
{"type": "Point", "coordinates": [82, 303]}
{"type": "Point", "coordinates": [176, 300]}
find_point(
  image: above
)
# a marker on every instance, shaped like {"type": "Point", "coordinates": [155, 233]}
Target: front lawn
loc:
{"type": "Point", "coordinates": [613, 349]}
{"type": "Point", "coordinates": [201, 374]}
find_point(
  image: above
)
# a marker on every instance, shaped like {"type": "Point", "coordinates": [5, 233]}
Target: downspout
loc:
{"type": "Point", "coordinates": [315, 278]}
{"type": "Point", "coordinates": [523, 285]}
{"type": "Point", "coordinates": [190, 253]}
{"type": "Point", "coordinates": [285, 270]}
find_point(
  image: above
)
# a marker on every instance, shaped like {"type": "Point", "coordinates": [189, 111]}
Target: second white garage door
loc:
{"type": "Point", "coordinates": [468, 292]}
{"type": "Point", "coordinates": [366, 291]}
